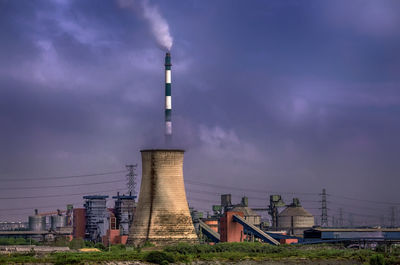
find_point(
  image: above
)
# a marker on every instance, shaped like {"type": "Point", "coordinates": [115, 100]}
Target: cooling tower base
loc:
{"type": "Point", "coordinates": [162, 214]}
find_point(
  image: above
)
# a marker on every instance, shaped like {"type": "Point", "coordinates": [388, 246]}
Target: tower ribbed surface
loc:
{"type": "Point", "coordinates": [162, 214]}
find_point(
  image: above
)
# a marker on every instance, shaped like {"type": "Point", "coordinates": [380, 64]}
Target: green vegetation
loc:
{"type": "Point", "coordinates": [160, 257]}
{"type": "Point", "coordinates": [184, 253]}
{"type": "Point", "coordinates": [17, 241]}
{"type": "Point", "coordinates": [100, 246]}
{"type": "Point", "coordinates": [76, 243]}
{"type": "Point", "coordinates": [377, 259]}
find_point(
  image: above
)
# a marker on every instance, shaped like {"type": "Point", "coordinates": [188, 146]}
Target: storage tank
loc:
{"type": "Point", "coordinates": [37, 222]}
{"type": "Point", "coordinates": [58, 221]}
{"type": "Point", "coordinates": [162, 214]}
{"type": "Point", "coordinates": [295, 219]}
{"type": "Point", "coordinates": [249, 215]}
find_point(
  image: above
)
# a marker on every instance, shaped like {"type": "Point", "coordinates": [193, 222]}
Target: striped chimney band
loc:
{"type": "Point", "coordinates": [168, 104]}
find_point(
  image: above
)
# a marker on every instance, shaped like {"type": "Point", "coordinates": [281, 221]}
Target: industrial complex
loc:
{"type": "Point", "coordinates": [161, 213]}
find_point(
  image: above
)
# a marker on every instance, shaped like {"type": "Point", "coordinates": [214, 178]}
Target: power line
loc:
{"type": "Point", "coordinates": [355, 206]}
{"type": "Point", "coordinates": [67, 177]}
{"type": "Point", "coordinates": [358, 214]}
{"type": "Point", "coordinates": [218, 194]}
{"type": "Point", "coordinates": [36, 207]}
{"type": "Point", "coordinates": [363, 200]}
{"type": "Point", "coordinates": [62, 186]}
{"type": "Point", "coordinates": [192, 182]}
{"type": "Point", "coordinates": [55, 195]}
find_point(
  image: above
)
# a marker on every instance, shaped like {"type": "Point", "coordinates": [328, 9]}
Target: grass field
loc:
{"type": "Point", "coordinates": [183, 253]}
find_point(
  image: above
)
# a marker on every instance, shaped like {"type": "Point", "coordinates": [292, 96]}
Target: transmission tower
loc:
{"type": "Point", "coordinates": [382, 218]}
{"type": "Point", "coordinates": [392, 216]}
{"type": "Point", "coordinates": [341, 217]}
{"type": "Point", "coordinates": [351, 220]}
{"type": "Point", "coordinates": [131, 179]}
{"type": "Point", "coordinates": [324, 214]}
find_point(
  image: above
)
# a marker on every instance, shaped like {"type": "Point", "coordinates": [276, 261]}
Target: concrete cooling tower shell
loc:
{"type": "Point", "coordinates": [162, 214]}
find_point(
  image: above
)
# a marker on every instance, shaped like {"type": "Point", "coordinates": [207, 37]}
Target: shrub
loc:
{"type": "Point", "coordinates": [89, 244]}
{"type": "Point", "coordinates": [16, 241]}
{"type": "Point", "coordinates": [148, 244]}
{"type": "Point", "coordinates": [100, 246]}
{"type": "Point", "coordinates": [377, 259]}
{"type": "Point", "coordinates": [164, 262]}
{"type": "Point", "coordinates": [76, 243]}
{"type": "Point", "coordinates": [61, 242]}
{"type": "Point", "coordinates": [245, 247]}
{"type": "Point", "coordinates": [118, 247]}
{"type": "Point", "coordinates": [160, 257]}
{"type": "Point", "coordinates": [66, 259]}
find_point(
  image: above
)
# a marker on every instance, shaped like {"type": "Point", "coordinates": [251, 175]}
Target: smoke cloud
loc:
{"type": "Point", "coordinates": [158, 25]}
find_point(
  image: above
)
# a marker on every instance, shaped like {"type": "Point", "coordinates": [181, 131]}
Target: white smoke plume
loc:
{"type": "Point", "coordinates": [158, 25]}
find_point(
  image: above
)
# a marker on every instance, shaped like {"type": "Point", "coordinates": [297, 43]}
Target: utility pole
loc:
{"type": "Point", "coordinates": [131, 179]}
{"type": "Point", "coordinates": [324, 214]}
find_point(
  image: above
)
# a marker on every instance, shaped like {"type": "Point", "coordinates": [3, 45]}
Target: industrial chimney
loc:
{"type": "Point", "coordinates": [162, 214]}
{"type": "Point", "coordinates": [168, 102]}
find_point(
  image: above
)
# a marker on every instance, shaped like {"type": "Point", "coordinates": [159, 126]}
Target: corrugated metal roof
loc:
{"type": "Point", "coordinates": [357, 229]}
{"type": "Point", "coordinates": [95, 197]}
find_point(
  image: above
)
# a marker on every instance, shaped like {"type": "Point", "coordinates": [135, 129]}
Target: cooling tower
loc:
{"type": "Point", "coordinates": [162, 214]}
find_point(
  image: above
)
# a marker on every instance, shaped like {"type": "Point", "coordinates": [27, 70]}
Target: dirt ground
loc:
{"type": "Point", "coordinates": [246, 262]}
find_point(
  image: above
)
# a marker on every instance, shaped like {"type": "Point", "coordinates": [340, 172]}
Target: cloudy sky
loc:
{"type": "Point", "coordinates": [269, 97]}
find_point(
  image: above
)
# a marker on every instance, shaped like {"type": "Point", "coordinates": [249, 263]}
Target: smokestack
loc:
{"type": "Point", "coordinates": [162, 214]}
{"type": "Point", "coordinates": [168, 103]}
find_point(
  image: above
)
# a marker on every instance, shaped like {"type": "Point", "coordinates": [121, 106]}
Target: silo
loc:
{"type": "Point", "coordinates": [37, 222]}
{"type": "Point", "coordinates": [162, 214]}
{"type": "Point", "coordinates": [295, 219]}
{"type": "Point", "coordinates": [58, 221]}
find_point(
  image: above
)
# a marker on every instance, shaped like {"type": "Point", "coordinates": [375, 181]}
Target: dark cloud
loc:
{"type": "Point", "coordinates": [278, 95]}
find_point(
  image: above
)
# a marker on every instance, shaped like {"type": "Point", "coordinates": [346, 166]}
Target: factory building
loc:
{"type": "Point", "coordinates": [221, 221]}
{"type": "Point", "coordinates": [354, 237]}
{"type": "Point", "coordinates": [125, 206]}
{"type": "Point", "coordinates": [39, 229]}
{"type": "Point", "coordinates": [249, 215]}
{"type": "Point", "coordinates": [213, 223]}
{"type": "Point", "coordinates": [96, 217]}
{"type": "Point", "coordinates": [13, 226]}
{"type": "Point", "coordinates": [226, 205]}
{"type": "Point", "coordinates": [79, 222]}
{"type": "Point", "coordinates": [295, 219]}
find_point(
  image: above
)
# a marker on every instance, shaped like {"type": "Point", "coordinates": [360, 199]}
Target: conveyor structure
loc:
{"type": "Point", "coordinates": [208, 232]}
{"type": "Point", "coordinates": [255, 230]}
